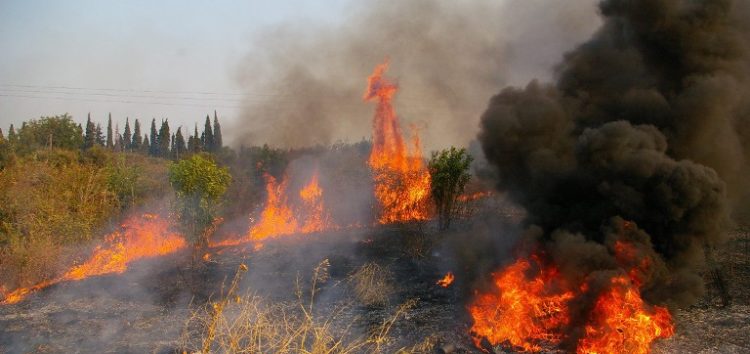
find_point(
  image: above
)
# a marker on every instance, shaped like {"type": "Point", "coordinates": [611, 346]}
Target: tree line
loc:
{"type": "Point", "coordinates": [62, 132]}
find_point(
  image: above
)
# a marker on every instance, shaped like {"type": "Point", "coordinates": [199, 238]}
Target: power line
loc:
{"type": "Point", "coordinates": [127, 90]}
{"type": "Point", "coordinates": [117, 101]}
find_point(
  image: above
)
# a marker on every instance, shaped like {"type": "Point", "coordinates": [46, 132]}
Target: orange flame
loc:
{"type": "Point", "coordinates": [141, 237]}
{"type": "Point", "coordinates": [312, 198]}
{"type": "Point", "coordinates": [524, 311]}
{"type": "Point", "coordinates": [529, 308]}
{"type": "Point", "coordinates": [278, 218]}
{"type": "Point", "coordinates": [472, 197]}
{"type": "Point", "coordinates": [402, 182]}
{"type": "Point", "coordinates": [447, 280]}
{"type": "Point", "coordinates": [622, 323]}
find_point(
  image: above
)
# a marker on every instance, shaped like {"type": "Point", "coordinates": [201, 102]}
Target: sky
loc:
{"type": "Point", "coordinates": [283, 72]}
{"type": "Point", "coordinates": [141, 59]}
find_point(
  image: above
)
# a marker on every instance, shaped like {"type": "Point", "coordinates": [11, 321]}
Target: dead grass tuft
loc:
{"type": "Point", "coordinates": [372, 284]}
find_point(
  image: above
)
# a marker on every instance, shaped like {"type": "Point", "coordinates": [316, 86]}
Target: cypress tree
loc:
{"type": "Point", "coordinates": [99, 135]}
{"type": "Point", "coordinates": [172, 151]}
{"type": "Point", "coordinates": [197, 142]}
{"type": "Point", "coordinates": [208, 136]}
{"type": "Point", "coordinates": [89, 139]}
{"type": "Point", "coordinates": [218, 141]}
{"type": "Point", "coordinates": [154, 144]}
{"type": "Point", "coordinates": [146, 147]}
{"type": "Point", "coordinates": [12, 136]}
{"type": "Point", "coordinates": [179, 144]}
{"type": "Point", "coordinates": [127, 138]}
{"type": "Point", "coordinates": [110, 143]}
{"type": "Point", "coordinates": [136, 144]}
{"type": "Point", "coordinates": [164, 139]}
{"type": "Point", "coordinates": [118, 139]}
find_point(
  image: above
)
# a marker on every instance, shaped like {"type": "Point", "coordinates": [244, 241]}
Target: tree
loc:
{"type": "Point", "coordinates": [218, 141]}
{"type": "Point", "coordinates": [127, 137]}
{"type": "Point", "coordinates": [12, 136]}
{"type": "Point", "coordinates": [208, 136]}
{"type": "Point", "coordinates": [179, 144]}
{"type": "Point", "coordinates": [136, 143]}
{"type": "Point", "coordinates": [54, 132]}
{"type": "Point", "coordinates": [194, 143]}
{"type": "Point", "coordinates": [90, 139]}
{"type": "Point", "coordinates": [449, 172]}
{"type": "Point", "coordinates": [146, 147]}
{"type": "Point", "coordinates": [99, 135]}
{"type": "Point", "coordinates": [199, 184]}
{"type": "Point", "coordinates": [154, 146]}
{"type": "Point", "coordinates": [110, 142]}
{"type": "Point", "coordinates": [118, 139]}
{"type": "Point", "coordinates": [164, 139]}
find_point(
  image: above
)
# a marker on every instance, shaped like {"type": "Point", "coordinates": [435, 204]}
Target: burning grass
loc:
{"type": "Point", "coordinates": [139, 237]}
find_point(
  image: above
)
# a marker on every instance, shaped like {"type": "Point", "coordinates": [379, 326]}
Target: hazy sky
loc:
{"type": "Point", "coordinates": [183, 59]}
{"type": "Point", "coordinates": [144, 59]}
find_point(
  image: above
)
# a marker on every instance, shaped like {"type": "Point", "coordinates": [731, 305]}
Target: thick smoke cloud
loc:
{"type": "Point", "coordinates": [647, 122]}
{"type": "Point", "coordinates": [306, 82]}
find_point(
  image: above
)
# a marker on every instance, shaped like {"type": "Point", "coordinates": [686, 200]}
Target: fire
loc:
{"type": "Point", "coordinates": [312, 199]}
{"type": "Point", "coordinates": [276, 218]}
{"type": "Point", "coordinates": [447, 280]}
{"type": "Point", "coordinates": [140, 237]}
{"type": "Point", "coordinates": [279, 219]}
{"type": "Point", "coordinates": [402, 182]}
{"type": "Point", "coordinates": [521, 310]}
{"type": "Point", "coordinates": [529, 309]}
{"type": "Point", "coordinates": [474, 196]}
{"type": "Point", "coordinates": [622, 323]}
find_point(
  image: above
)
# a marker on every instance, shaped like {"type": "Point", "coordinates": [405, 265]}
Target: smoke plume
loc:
{"type": "Point", "coordinates": [305, 82]}
{"type": "Point", "coordinates": [641, 139]}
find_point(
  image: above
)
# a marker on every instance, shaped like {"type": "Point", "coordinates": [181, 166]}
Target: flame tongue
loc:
{"type": "Point", "coordinates": [402, 182]}
{"type": "Point", "coordinates": [447, 280]}
{"type": "Point", "coordinates": [312, 200]}
{"type": "Point", "coordinates": [276, 218]}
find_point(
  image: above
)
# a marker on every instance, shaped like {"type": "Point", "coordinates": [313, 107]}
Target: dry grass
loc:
{"type": "Point", "coordinates": [372, 284]}
{"type": "Point", "coordinates": [247, 324]}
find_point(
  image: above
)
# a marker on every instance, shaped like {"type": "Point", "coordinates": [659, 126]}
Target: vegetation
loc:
{"type": "Point", "coordinates": [62, 185]}
{"type": "Point", "coordinates": [247, 324]}
{"type": "Point", "coordinates": [449, 170]}
{"type": "Point", "coordinates": [199, 184]}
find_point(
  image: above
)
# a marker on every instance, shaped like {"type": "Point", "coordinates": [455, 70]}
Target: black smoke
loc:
{"type": "Point", "coordinates": [642, 138]}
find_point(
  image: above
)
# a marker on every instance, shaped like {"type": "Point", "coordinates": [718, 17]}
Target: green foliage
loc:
{"type": "Point", "coordinates": [122, 180]}
{"type": "Point", "coordinates": [56, 132]}
{"type": "Point", "coordinates": [449, 170]}
{"type": "Point", "coordinates": [199, 184]}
